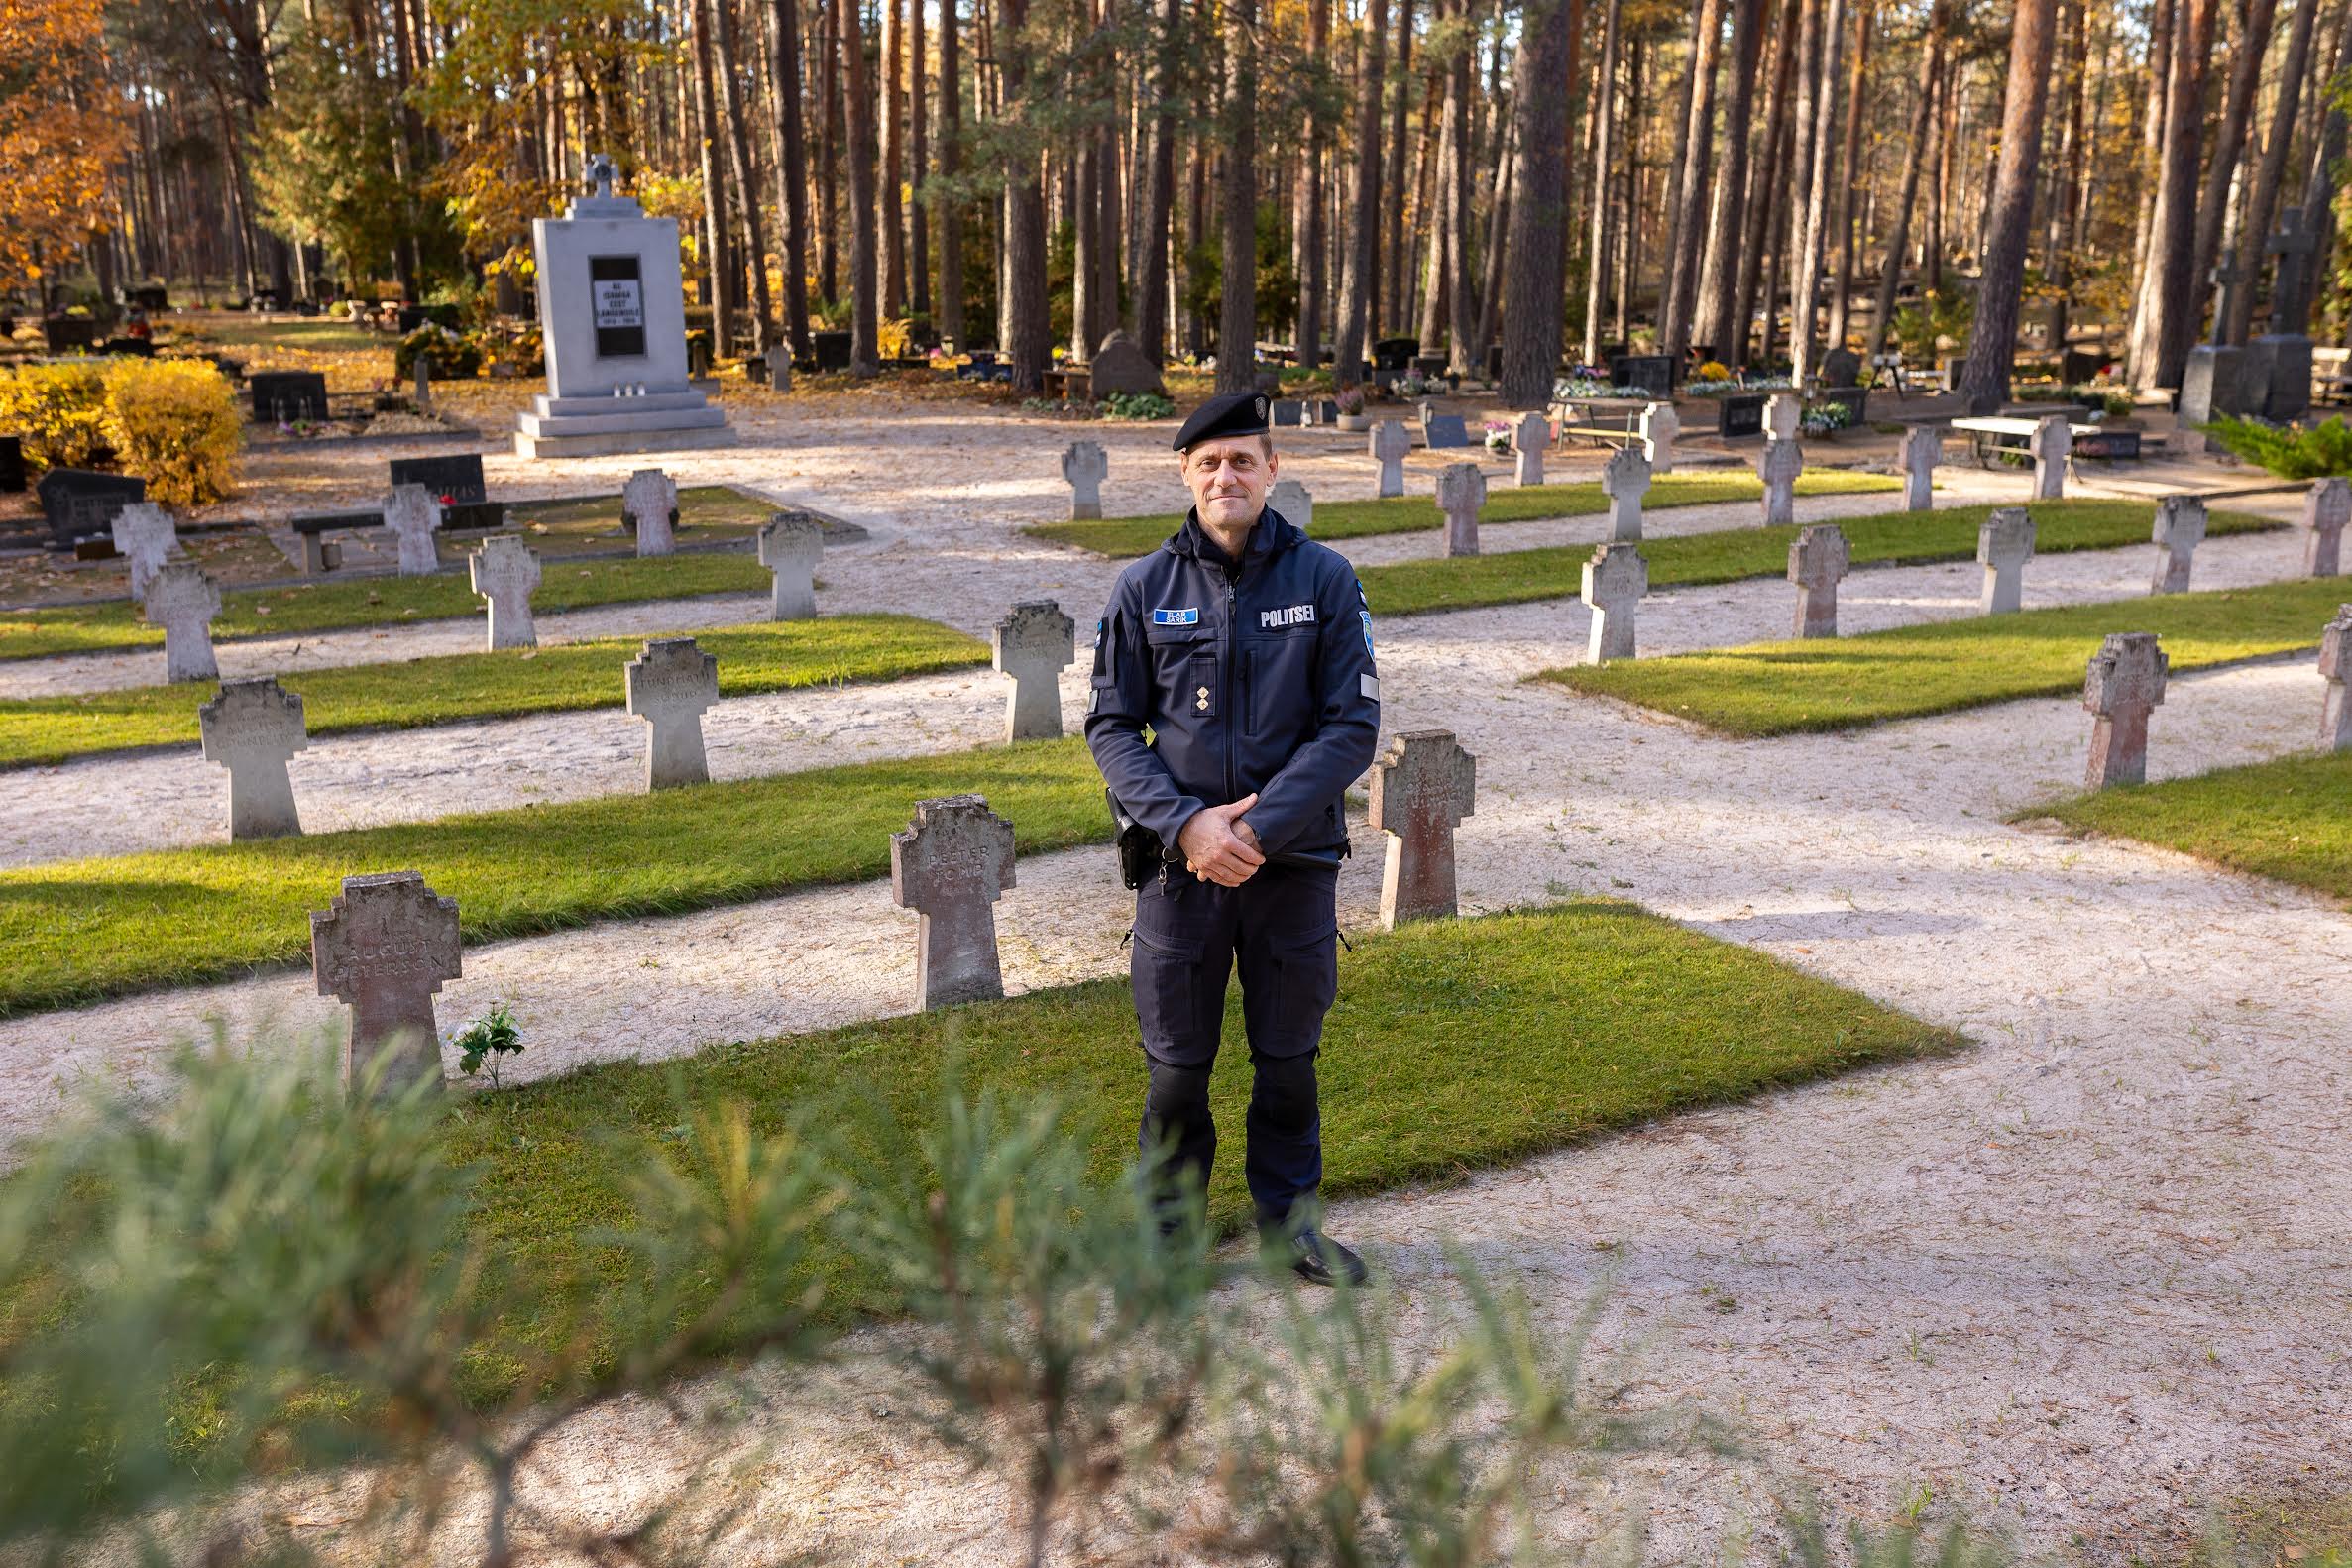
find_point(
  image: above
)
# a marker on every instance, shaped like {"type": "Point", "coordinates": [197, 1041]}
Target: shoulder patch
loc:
{"type": "Point", "coordinates": [1366, 617]}
{"type": "Point", "coordinates": [1189, 615]}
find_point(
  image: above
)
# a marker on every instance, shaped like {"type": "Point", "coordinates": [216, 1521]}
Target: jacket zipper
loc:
{"type": "Point", "coordinates": [1232, 715]}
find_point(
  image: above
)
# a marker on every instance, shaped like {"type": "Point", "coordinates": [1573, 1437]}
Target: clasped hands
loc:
{"type": "Point", "coordinates": [1219, 846]}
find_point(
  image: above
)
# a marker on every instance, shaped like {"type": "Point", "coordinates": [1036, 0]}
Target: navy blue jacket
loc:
{"type": "Point", "coordinates": [1257, 679]}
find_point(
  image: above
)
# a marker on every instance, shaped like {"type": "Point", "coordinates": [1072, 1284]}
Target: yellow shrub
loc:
{"type": "Point", "coordinates": [59, 410]}
{"type": "Point", "coordinates": [892, 337]}
{"type": "Point", "coordinates": [175, 424]}
{"type": "Point", "coordinates": [1713, 371]}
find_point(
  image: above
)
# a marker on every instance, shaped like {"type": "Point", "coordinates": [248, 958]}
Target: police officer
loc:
{"type": "Point", "coordinates": [1244, 647]}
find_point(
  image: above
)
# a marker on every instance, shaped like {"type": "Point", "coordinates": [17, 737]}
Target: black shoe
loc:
{"type": "Point", "coordinates": [1319, 1259]}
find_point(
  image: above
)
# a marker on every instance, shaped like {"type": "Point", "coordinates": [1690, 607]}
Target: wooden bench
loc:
{"type": "Point", "coordinates": [1577, 419]}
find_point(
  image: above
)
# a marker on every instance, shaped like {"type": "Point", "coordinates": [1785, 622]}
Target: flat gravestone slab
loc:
{"type": "Point", "coordinates": [1032, 645]}
{"type": "Point", "coordinates": [2325, 512]}
{"type": "Point", "coordinates": [2123, 684]}
{"type": "Point", "coordinates": [384, 947]}
{"type": "Point", "coordinates": [1743, 416]}
{"type": "Point", "coordinates": [505, 572]}
{"type": "Point", "coordinates": [791, 544]}
{"type": "Point", "coordinates": [81, 504]}
{"type": "Point", "coordinates": [1388, 443]}
{"type": "Point", "coordinates": [414, 518]}
{"type": "Point", "coordinates": [669, 685]}
{"type": "Point", "coordinates": [182, 601]}
{"type": "Point", "coordinates": [1422, 788]}
{"type": "Point", "coordinates": [455, 478]}
{"type": "Point", "coordinates": [1445, 431]}
{"type": "Point", "coordinates": [2335, 668]}
{"type": "Point", "coordinates": [649, 510]}
{"type": "Point", "coordinates": [1461, 492]}
{"type": "Point", "coordinates": [2179, 528]}
{"type": "Point", "coordinates": [1817, 559]}
{"type": "Point", "coordinates": [285, 397]}
{"type": "Point", "coordinates": [250, 729]}
{"type": "Point", "coordinates": [950, 866]}
{"type": "Point", "coordinates": [1085, 466]}
{"type": "Point", "coordinates": [2004, 543]}
{"type": "Point", "coordinates": [1615, 580]}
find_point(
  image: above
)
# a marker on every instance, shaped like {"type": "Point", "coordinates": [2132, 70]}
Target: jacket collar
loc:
{"type": "Point", "coordinates": [1271, 534]}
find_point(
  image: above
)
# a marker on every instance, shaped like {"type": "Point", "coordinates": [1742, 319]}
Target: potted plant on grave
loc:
{"type": "Point", "coordinates": [1498, 438]}
{"type": "Point", "coordinates": [1351, 409]}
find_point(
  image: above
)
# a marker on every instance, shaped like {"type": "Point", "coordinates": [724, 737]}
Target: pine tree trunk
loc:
{"type": "Point", "coordinates": [786, 74]}
{"type": "Point", "coordinates": [744, 173]}
{"type": "Point", "coordinates": [1931, 68]}
{"type": "Point", "coordinates": [918, 168]}
{"type": "Point", "coordinates": [2161, 348]}
{"type": "Point", "coordinates": [1533, 299]}
{"type": "Point", "coordinates": [718, 274]}
{"type": "Point", "coordinates": [2229, 139]}
{"type": "Point", "coordinates": [1085, 170]}
{"type": "Point", "coordinates": [1151, 283]}
{"type": "Point", "coordinates": [2065, 206]}
{"type": "Point", "coordinates": [1842, 279]}
{"type": "Point", "coordinates": [1237, 318]}
{"type": "Point", "coordinates": [1398, 274]}
{"type": "Point", "coordinates": [1461, 310]}
{"type": "Point", "coordinates": [2262, 208]}
{"type": "Point", "coordinates": [1597, 270]}
{"type": "Point", "coordinates": [1799, 184]}
{"type": "Point", "coordinates": [1489, 288]}
{"type": "Point", "coordinates": [1714, 322]}
{"type": "Point", "coordinates": [1025, 329]}
{"type": "Point", "coordinates": [1311, 277]}
{"type": "Point", "coordinates": [1985, 384]}
{"type": "Point", "coordinates": [2151, 144]}
{"type": "Point", "coordinates": [891, 219]}
{"type": "Point", "coordinates": [1762, 167]}
{"type": "Point", "coordinates": [1357, 280]}
{"type": "Point", "coordinates": [950, 158]}
{"type": "Point", "coordinates": [828, 213]}
{"type": "Point", "coordinates": [2327, 153]}
{"type": "Point", "coordinates": [865, 352]}
{"type": "Point", "coordinates": [1694, 184]}
{"type": "Point", "coordinates": [1678, 162]}
{"type": "Point", "coordinates": [1629, 267]}
{"type": "Point", "coordinates": [1803, 344]}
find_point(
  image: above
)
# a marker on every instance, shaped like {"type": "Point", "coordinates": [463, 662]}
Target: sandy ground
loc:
{"type": "Point", "coordinates": [2078, 1281]}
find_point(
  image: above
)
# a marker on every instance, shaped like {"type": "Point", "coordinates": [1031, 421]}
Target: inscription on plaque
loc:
{"type": "Point", "coordinates": [619, 291]}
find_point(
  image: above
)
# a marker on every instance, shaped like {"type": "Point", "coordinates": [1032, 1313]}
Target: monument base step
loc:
{"type": "Point", "coordinates": [616, 441]}
{"type": "Point", "coordinates": [654, 401]}
{"type": "Point", "coordinates": [620, 421]}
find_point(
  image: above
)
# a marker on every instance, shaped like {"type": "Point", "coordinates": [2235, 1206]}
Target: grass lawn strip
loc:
{"type": "Point", "coordinates": [1788, 687]}
{"type": "Point", "coordinates": [766, 656]}
{"type": "Point", "coordinates": [2289, 819]}
{"type": "Point", "coordinates": [1122, 538]}
{"type": "Point", "coordinates": [329, 604]}
{"type": "Point", "coordinates": [1888, 538]}
{"type": "Point", "coordinates": [1454, 1045]}
{"type": "Point", "coordinates": [81, 931]}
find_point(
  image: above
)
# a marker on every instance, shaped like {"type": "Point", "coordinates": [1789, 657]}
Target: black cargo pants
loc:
{"type": "Point", "coordinates": [1282, 926]}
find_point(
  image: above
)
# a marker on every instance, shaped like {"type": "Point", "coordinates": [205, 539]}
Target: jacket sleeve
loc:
{"type": "Point", "coordinates": [1347, 726]}
{"type": "Point", "coordinates": [1117, 709]}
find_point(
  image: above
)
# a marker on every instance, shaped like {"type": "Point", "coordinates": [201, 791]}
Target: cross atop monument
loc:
{"type": "Point", "coordinates": [2293, 244]}
{"type": "Point", "coordinates": [2226, 278]}
{"type": "Point", "coordinates": [600, 174]}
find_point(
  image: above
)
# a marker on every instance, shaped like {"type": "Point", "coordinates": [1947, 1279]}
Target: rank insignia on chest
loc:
{"type": "Point", "coordinates": [1201, 699]}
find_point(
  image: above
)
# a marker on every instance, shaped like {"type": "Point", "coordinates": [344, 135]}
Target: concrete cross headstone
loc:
{"type": "Point", "coordinates": [383, 948]}
{"type": "Point", "coordinates": [600, 174]}
{"type": "Point", "coordinates": [1033, 644]}
{"type": "Point", "coordinates": [2004, 543]}
{"type": "Point", "coordinates": [1817, 559]}
{"type": "Point", "coordinates": [1923, 446]}
{"type": "Point", "coordinates": [146, 535]}
{"type": "Point", "coordinates": [950, 865]}
{"type": "Point", "coordinates": [182, 601]}
{"type": "Point", "coordinates": [1391, 440]}
{"type": "Point", "coordinates": [423, 368]}
{"type": "Point", "coordinates": [1461, 490]}
{"type": "Point", "coordinates": [669, 685]}
{"type": "Point", "coordinates": [1529, 438]}
{"type": "Point", "coordinates": [1421, 787]}
{"type": "Point", "coordinates": [779, 364]}
{"type": "Point", "coordinates": [1624, 480]}
{"type": "Point", "coordinates": [2123, 686]}
{"type": "Point", "coordinates": [504, 570]}
{"type": "Point", "coordinates": [414, 515]}
{"type": "Point", "coordinates": [1784, 416]}
{"type": "Point", "coordinates": [2050, 443]}
{"type": "Point", "coordinates": [649, 506]}
{"type": "Point", "coordinates": [2180, 529]}
{"type": "Point", "coordinates": [1660, 424]}
{"type": "Point", "coordinates": [250, 729]}
{"type": "Point", "coordinates": [2335, 668]}
{"type": "Point", "coordinates": [791, 544]}
{"type": "Point", "coordinates": [1291, 499]}
{"type": "Point", "coordinates": [1086, 465]}
{"type": "Point", "coordinates": [2227, 279]}
{"type": "Point", "coordinates": [2325, 512]}
{"type": "Point", "coordinates": [1778, 465]}
{"type": "Point", "coordinates": [1615, 580]}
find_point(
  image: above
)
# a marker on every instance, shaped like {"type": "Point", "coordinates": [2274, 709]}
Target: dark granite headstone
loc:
{"type": "Point", "coordinates": [1494, 362]}
{"type": "Point", "coordinates": [12, 465]}
{"type": "Point", "coordinates": [288, 395]}
{"type": "Point", "coordinates": [452, 478]}
{"type": "Point", "coordinates": [1121, 366]}
{"type": "Point", "coordinates": [2114, 446]}
{"type": "Point", "coordinates": [1394, 354]}
{"type": "Point", "coordinates": [1445, 431]}
{"type": "Point", "coordinates": [66, 333]}
{"type": "Point", "coordinates": [1329, 413]}
{"type": "Point", "coordinates": [78, 503]}
{"type": "Point", "coordinates": [1744, 415]}
{"type": "Point", "coordinates": [150, 296]}
{"type": "Point", "coordinates": [831, 349]}
{"type": "Point", "coordinates": [1288, 412]}
{"type": "Point", "coordinates": [1652, 373]}
{"type": "Point", "coordinates": [1841, 368]}
{"type": "Point", "coordinates": [473, 514]}
{"type": "Point", "coordinates": [2079, 365]}
{"type": "Point", "coordinates": [1429, 364]}
{"type": "Point", "coordinates": [412, 317]}
{"type": "Point", "coordinates": [136, 348]}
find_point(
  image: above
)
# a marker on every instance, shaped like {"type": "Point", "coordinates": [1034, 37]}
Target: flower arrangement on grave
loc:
{"type": "Point", "coordinates": [453, 355]}
{"type": "Point", "coordinates": [1413, 383]}
{"type": "Point", "coordinates": [1497, 437]}
{"type": "Point", "coordinates": [1822, 417]}
{"type": "Point", "coordinates": [1713, 371]}
{"type": "Point", "coordinates": [1351, 401]}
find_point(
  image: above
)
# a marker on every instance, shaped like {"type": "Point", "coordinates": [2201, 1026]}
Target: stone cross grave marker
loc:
{"type": "Point", "coordinates": [1033, 644]}
{"type": "Point", "coordinates": [504, 571]}
{"type": "Point", "coordinates": [2335, 668]}
{"type": "Point", "coordinates": [1778, 465]}
{"type": "Point", "coordinates": [1529, 438]}
{"type": "Point", "coordinates": [2123, 686]}
{"type": "Point", "coordinates": [422, 366]}
{"type": "Point", "coordinates": [250, 729]}
{"type": "Point", "coordinates": [2004, 543]}
{"type": "Point", "coordinates": [1291, 498]}
{"type": "Point", "coordinates": [414, 516]}
{"type": "Point", "coordinates": [1817, 559]}
{"type": "Point", "coordinates": [1624, 480]}
{"type": "Point", "coordinates": [779, 363]}
{"type": "Point", "coordinates": [2050, 443]}
{"type": "Point", "coordinates": [2226, 277]}
{"type": "Point", "coordinates": [1660, 424]}
{"type": "Point", "coordinates": [383, 948]}
{"type": "Point", "coordinates": [146, 536]}
{"type": "Point", "coordinates": [1615, 580]}
{"type": "Point", "coordinates": [950, 866]}
{"type": "Point", "coordinates": [791, 543]}
{"type": "Point", "coordinates": [1086, 465]}
{"type": "Point", "coordinates": [669, 685]}
{"type": "Point", "coordinates": [182, 601]}
{"type": "Point", "coordinates": [2325, 512]}
{"type": "Point", "coordinates": [1461, 490]}
{"type": "Point", "coordinates": [1923, 446]}
{"type": "Point", "coordinates": [649, 506]}
{"type": "Point", "coordinates": [2180, 529]}
{"type": "Point", "coordinates": [1784, 416]}
{"type": "Point", "coordinates": [1421, 787]}
{"type": "Point", "coordinates": [1391, 440]}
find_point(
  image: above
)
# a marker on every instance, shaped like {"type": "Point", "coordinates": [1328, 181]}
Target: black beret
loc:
{"type": "Point", "coordinates": [1228, 414]}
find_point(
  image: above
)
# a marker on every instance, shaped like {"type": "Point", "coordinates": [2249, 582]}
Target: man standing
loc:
{"type": "Point", "coordinates": [1246, 648]}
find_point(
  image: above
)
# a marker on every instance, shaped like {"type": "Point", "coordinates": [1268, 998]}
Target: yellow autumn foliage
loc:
{"type": "Point", "coordinates": [58, 409]}
{"type": "Point", "coordinates": [175, 424]}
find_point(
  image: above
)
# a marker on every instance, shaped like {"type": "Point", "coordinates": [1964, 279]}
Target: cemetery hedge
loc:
{"type": "Point", "coordinates": [1845, 683]}
{"type": "Point", "coordinates": [765, 656]}
{"type": "Point", "coordinates": [2289, 819]}
{"type": "Point", "coordinates": [1125, 537]}
{"type": "Point", "coordinates": [1614, 1016]}
{"type": "Point", "coordinates": [77, 932]}
{"type": "Point", "coordinates": [1889, 538]}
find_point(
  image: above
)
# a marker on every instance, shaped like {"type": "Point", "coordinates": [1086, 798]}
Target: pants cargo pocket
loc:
{"type": "Point", "coordinates": [1307, 984]}
{"type": "Point", "coordinates": [1166, 975]}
